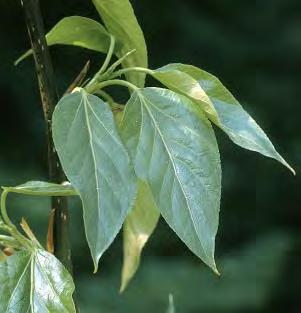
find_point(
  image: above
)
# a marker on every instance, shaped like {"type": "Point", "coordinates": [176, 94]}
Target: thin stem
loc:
{"type": "Point", "coordinates": [112, 68]}
{"type": "Point", "coordinates": [109, 55]}
{"type": "Point", "coordinates": [106, 62]}
{"type": "Point", "coordinates": [105, 96]}
{"type": "Point", "coordinates": [45, 74]}
{"type": "Point", "coordinates": [4, 211]}
{"type": "Point", "coordinates": [10, 226]}
{"type": "Point", "coordinates": [107, 83]}
{"type": "Point", "coordinates": [8, 241]}
{"type": "Point", "coordinates": [131, 69]}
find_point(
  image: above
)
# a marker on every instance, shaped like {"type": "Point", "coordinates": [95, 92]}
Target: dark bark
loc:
{"type": "Point", "coordinates": [49, 97]}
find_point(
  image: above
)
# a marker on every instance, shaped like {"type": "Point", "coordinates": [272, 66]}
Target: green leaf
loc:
{"type": "Point", "coordinates": [97, 165]}
{"type": "Point", "coordinates": [121, 22]}
{"type": "Point", "coordinates": [175, 151]}
{"type": "Point", "coordinates": [40, 188]}
{"type": "Point", "coordinates": [76, 31]}
{"type": "Point", "coordinates": [138, 227]}
{"type": "Point", "coordinates": [220, 106]}
{"type": "Point", "coordinates": [35, 281]}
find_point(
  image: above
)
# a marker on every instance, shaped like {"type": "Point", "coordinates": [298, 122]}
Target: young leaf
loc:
{"type": "Point", "coordinates": [76, 31]}
{"type": "Point", "coordinates": [40, 188]}
{"type": "Point", "coordinates": [138, 227]}
{"type": "Point", "coordinates": [35, 281]}
{"type": "Point", "coordinates": [175, 151]}
{"type": "Point", "coordinates": [121, 22]}
{"type": "Point", "coordinates": [220, 105]}
{"type": "Point", "coordinates": [97, 165]}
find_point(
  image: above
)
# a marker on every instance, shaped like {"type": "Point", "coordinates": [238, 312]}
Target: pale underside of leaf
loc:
{"type": "Point", "coordinates": [40, 188]}
{"type": "Point", "coordinates": [121, 22]}
{"type": "Point", "coordinates": [138, 227]}
{"type": "Point", "coordinates": [175, 151]}
{"type": "Point", "coordinates": [35, 281]}
{"type": "Point", "coordinates": [97, 165]}
{"type": "Point", "coordinates": [220, 106]}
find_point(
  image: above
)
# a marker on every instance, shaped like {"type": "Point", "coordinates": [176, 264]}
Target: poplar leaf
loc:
{"type": "Point", "coordinates": [35, 281]}
{"type": "Point", "coordinates": [76, 31]}
{"type": "Point", "coordinates": [138, 227]}
{"type": "Point", "coordinates": [97, 165]}
{"type": "Point", "coordinates": [175, 151]}
{"type": "Point", "coordinates": [220, 106]}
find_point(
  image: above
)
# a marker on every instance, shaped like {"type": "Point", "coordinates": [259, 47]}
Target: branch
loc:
{"type": "Point", "coordinates": [49, 99]}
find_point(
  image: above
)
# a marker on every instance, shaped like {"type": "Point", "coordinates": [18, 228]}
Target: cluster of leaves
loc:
{"type": "Point", "coordinates": [129, 164]}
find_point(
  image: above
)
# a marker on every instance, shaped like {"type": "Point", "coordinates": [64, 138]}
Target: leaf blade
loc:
{"type": "Point", "coordinates": [36, 281]}
{"type": "Point", "coordinates": [97, 164]}
{"type": "Point", "coordinates": [182, 168]}
{"type": "Point", "coordinates": [138, 227]}
{"type": "Point", "coordinates": [220, 106]}
{"type": "Point", "coordinates": [76, 31]}
{"type": "Point", "coordinates": [40, 188]}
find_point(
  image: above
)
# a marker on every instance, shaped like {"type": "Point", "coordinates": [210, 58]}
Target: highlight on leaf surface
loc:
{"type": "Point", "coordinates": [175, 151]}
{"type": "Point", "coordinates": [76, 31]}
{"type": "Point", "coordinates": [97, 165]}
{"type": "Point", "coordinates": [138, 227]}
{"type": "Point", "coordinates": [35, 281]}
{"type": "Point", "coordinates": [220, 106]}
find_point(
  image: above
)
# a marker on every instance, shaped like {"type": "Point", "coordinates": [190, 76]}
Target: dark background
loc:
{"type": "Point", "coordinates": [254, 48]}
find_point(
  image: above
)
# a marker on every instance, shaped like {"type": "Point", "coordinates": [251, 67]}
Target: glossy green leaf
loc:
{"type": "Point", "coordinates": [121, 22]}
{"type": "Point", "coordinates": [76, 31]}
{"type": "Point", "coordinates": [220, 105]}
{"type": "Point", "coordinates": [138, 227]}
{"type": "Point", "coordinates": [35, 282]}
{"type": "Point", "coordinates": [40, 188]}
{"type": "Point", "coordinates": [97, 165]}
{"type": "Point", "coordinates": [175, 151]}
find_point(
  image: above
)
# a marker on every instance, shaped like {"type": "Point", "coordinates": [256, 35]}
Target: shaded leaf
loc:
{"type": "Point", "coordinates": [175, 151]}
{"type": "Point", "coordinates": [121, 22]}
{"type": "Point", "coordinates": [138, 227]}
{"type": "Point", "coordinates": [40, 188]}
{"type": "Point", "coordinates": [35, 281]}
{"type": "Point", "coordinates": [220, 105]}
{"type": "Point", "coordinates": [76, 31]}
{"type": "Point", "coordinates": [97, 165]}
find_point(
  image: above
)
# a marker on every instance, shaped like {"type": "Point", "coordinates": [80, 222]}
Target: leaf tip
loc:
{"type": "Point", "coordinates": [122, 288]}
{"type": "Point", "coordinates": [288, 166]}
{"type": "Point", "coordinates": [95, 268]}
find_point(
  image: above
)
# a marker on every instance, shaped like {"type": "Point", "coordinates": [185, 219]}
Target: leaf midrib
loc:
{"type": "Point", "coordinates": [18, 282]}
{"type": "Point", "coordinates": [144, 100]}
{"type": "Point", "coordinates": [85, 102]}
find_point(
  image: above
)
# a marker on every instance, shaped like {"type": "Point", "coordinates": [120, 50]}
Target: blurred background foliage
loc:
{"type": "Point", "coordinates": [254, 47]}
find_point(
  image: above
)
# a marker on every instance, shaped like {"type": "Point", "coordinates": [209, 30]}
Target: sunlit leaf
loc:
{"type": "Point", "coordinates": [35, 281]}
{"type": "Point", "coordinates": [121, 22]}
{"type": "Point", "coordinates": [220, 106]}
{"type": "Point", "coordinates": [175, 151]}
{"type": "Point", "coordinates": [138, 227]}
{"type": "Point", "coordinates": [97, 165]}
{"type": "Point", "coordinates": [76, 31]}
